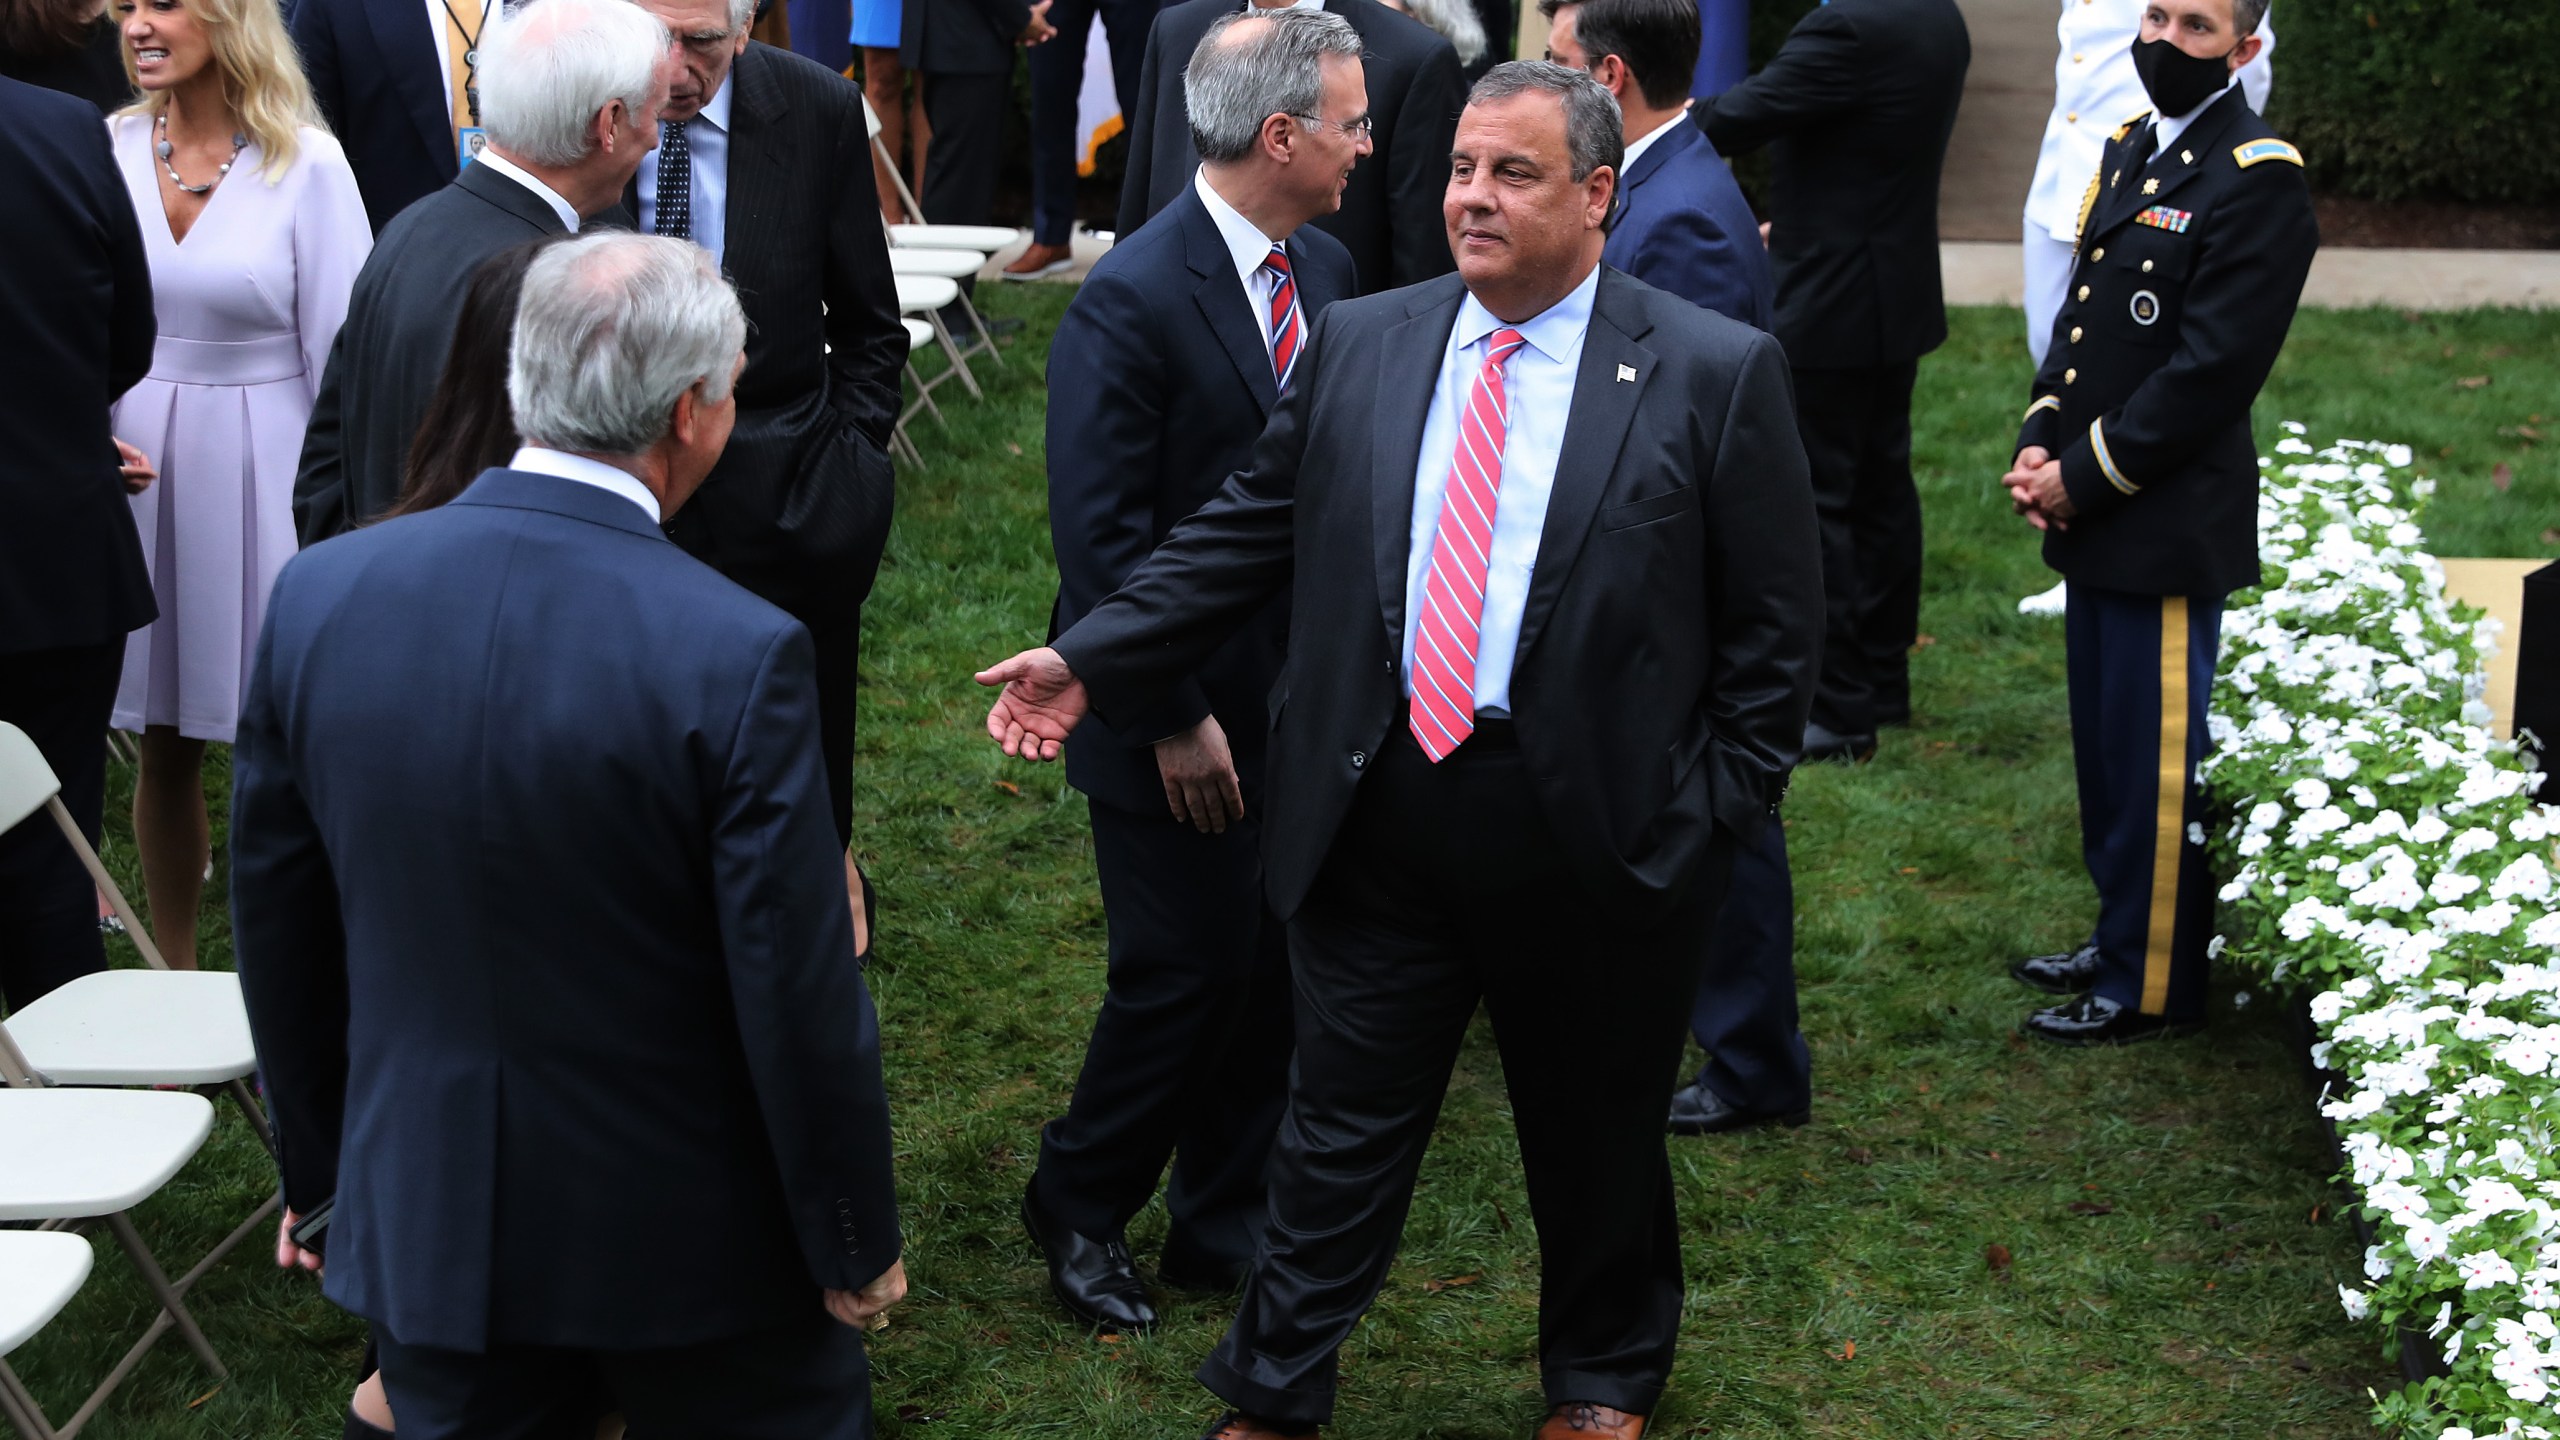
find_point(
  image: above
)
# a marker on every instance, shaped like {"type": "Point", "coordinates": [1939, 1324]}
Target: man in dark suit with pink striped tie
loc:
{"type": "Point", "coordinates": [1555, 602]}
{"type": "Point", "coordinates": [1170, 359]}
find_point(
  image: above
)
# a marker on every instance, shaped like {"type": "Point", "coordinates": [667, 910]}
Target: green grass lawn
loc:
{"type": "Point", "coordinates": [2172, 1231]}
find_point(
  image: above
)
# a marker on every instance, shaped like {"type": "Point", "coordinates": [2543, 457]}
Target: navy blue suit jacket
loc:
{"type": "Point", "coordinates": [1162, 386]}
{"type": "Point", "coordinates": [77, 329]}
{"type": "Point", "coordinates": [374, 70]}
{"type": "Point", "coordinates": [1685, 228]}
{"type": "Point", "coordinates": [542, 927]}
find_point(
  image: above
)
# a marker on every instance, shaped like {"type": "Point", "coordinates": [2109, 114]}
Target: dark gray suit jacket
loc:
{"type": "Point", "coordinates": [1667, 649]}
{"type": "Point", "coordinates": [1390, 216]}
{"type": "Point", "coordinates": [803, 493]}
{"type": "Point", "coordinates": [392, 347]}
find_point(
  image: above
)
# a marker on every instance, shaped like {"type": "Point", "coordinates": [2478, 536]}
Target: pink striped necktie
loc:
{"type": "Point", "coordinates": [1286, 327]}
{"type": "Point", "coordinates": [1444, 647]}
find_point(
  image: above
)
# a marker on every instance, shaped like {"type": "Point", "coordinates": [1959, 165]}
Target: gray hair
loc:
{"type": "Point", "coordinates": [1592, 136]}
{"type": "Point", "coordinates": [1455, 20]}
{"type": "Point", "coordinates": [613, 328]}
{"type": "Point", "coordinates": [547, 67]}
{"type": "Point", "coordinates": [2246, 15]}
{"type": "Point", "coordinates": [1230, 89]}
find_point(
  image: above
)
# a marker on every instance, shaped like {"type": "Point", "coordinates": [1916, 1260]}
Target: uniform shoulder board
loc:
{"type": "Point", "coordinates": [2268, 149]}
{"type": "Point", "coordinates": [2126, 128]}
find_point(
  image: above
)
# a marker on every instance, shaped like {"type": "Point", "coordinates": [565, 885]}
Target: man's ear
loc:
{"type": "Point", "coordinates": [2247, 51]}
{"type": "Point", "coordinates": [1601, 194]}
{"type": "Point", "coordinates": [607, 124]}
{"type": "Point", "coordinates": [1279, 133]}
{"type": "Point", "coordinates": [687, 420]}
{"type": "Point", "coordinates": [1615, 77]}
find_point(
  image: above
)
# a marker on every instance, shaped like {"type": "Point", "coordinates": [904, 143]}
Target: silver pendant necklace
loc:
{"type": "Point", "coordinates": [239, 142]}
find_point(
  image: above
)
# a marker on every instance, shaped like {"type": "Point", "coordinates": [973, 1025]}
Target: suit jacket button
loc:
{"type": "Point", "coordinates": [1359, 758]}
{"type": "Point", "coordinates": [2070, 377]}
{"type": "Point", "coordinates": [2146, 267]}
{"type": "Point", "coordinates": [2075, 334]}
{"type": "Point", "coordinates": [2084, 292]}
{"type": "Point", "coordinates": [2098, 254]}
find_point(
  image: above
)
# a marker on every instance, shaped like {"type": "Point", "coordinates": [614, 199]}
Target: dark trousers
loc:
{"type": "Point", "coordinates": [1745, 1013]}
{"type": "Point", "coordinates": [1057, 74]}
{"type": "Point", "coordinates": [1189, 1058]}
{"type": "Point", "coordinates": [809, 1380]}
{"type": "Point", "coordinates": [2141, 669]}
{"type": "Point", "coordinates": [1445, 889]}
{"type": "Point", "coordinates": [48, 905]}
{"type": "Point", "coordinates": [1857, 436]}
{"type": "Point", "coordinates": [967, 115]}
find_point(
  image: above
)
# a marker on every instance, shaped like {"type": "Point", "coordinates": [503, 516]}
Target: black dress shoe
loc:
{"type": "Point", "coordinates": [1893, 710]}
{"type": "Point", "coordinates": [2070, 974]}
{"type": "Point", "coordinates": [2095, 1020]}
{"type": "Point", "coordinates": [1697, 1109]}
{"type": "Point", "coordinates": [1095, 1279]}
{"type": "Point", "coordinates": [1822, 743]}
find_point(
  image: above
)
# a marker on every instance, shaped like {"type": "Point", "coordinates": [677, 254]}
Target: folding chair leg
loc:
{"type": "Point", "coordinates": [250, 1111]}
{"type": "Point", "coordinates": [951, 352]}
{"type": "Point", "coordinates": [906, 197]}
{"type": "Point", "coordinates": [986, 341]}
{"type": "Point", "coordinates": [19, 1408]}
{"type": "Point", "coordinates": [172, 1303]}
{"type": "Point", "coordinates": [924, 397]}
{"type": "Point", "coordinates": [106, 883]}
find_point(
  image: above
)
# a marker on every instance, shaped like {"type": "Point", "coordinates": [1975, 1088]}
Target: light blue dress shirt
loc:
{"type": "Point", "coordinates": [706, 136]}
{"type": "Point", "coordinates": [1538, 390]}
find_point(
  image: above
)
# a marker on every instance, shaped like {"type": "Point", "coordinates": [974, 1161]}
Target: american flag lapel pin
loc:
{"type": "Point", "coordinates": [1626, 372]}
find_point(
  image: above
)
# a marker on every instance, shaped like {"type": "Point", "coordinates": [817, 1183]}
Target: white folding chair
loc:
{"type": "Point", "coordinates": [923, 297]}
{"type": "Point", "coordinates": [956, 266]}
{"type": "Point", "coordinates": [985, 239]}
{"type": "Point", "coordinates": [919, 335]}
{"type": "Point", "coordinates": [125, 1027]}
{"type": "Point", "coordinates": [40, 1270]}
{"type": "Point", "coordinates": [68, 1156]}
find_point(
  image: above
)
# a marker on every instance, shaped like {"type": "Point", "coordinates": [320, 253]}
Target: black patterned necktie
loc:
{"type": "Point", "coordinates": [675, 182]}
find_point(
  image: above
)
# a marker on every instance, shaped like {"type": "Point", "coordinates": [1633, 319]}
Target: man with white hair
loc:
{"type": "Point", "coordinates": [763, 160]}
{"type": "Point", "coordinates": [569, 97]}
{"type": "Point", "coordinates": [541, 925]}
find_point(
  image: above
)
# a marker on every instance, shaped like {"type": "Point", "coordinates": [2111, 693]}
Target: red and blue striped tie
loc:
{"type": "Point", "coordinates": [1444, 647]}
{"type": "Point", "coordinates": [1287, 327]}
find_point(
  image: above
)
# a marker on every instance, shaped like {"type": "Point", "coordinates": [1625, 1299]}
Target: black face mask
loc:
{"type": "Point", "coordinates": [2177, 81]}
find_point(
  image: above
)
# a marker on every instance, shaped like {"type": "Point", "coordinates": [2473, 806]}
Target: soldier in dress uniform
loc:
{"type": "Point", "coordinates": [2093, 85]}
{"type": "Point", "coordinates": [2137, 462]}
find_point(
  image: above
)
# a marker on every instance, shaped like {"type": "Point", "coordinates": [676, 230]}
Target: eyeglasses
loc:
{"type": "Point", "coordinates": [1353, 128]}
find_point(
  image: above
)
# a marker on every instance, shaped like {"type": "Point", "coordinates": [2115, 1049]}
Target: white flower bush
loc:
{"type": "Point", "coordinates": [2384, 855]}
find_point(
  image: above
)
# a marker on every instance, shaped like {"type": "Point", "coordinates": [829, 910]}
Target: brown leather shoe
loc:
{"type": "Point", "coordinates": [1580, 1420]}
{"type": "Point", "coordinates": [1040, 260]}
{"type": "Point", "coordinates": [1236, 1425]}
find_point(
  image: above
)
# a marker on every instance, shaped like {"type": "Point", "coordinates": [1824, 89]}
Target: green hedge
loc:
{"type": "Point", "coordinates": [2395, 99]}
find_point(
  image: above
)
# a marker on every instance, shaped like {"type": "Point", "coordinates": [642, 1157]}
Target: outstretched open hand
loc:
{"type": "Point", "coordinates": [1041, 701]}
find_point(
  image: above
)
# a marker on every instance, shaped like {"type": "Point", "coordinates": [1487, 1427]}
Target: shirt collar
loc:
{"type": "Point", "coordinates": [1645, 141]}
{"type": "Point", "coordinates": [716, 109]}
{"type": "Point", "coordinates": [2169, 128]}
{"type": "Point", "coordinates": [1555, 332]}
{"type": "Point", "coordinates": [504, 166]}
{"type": "Point", "coordinates": [1246, 244]}
{"type": "Point", "coordinates": [560, 464]}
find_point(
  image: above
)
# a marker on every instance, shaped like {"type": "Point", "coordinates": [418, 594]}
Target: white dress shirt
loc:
{"type": "Point", "coordinates": [513, 171]}
{"type": "Point", "coordinates": [1645, 141]}
{"type": "Point", "coordinates": [476, 14]}
{"type": "Point", "coordinates": [706, 138]}
{"type": "Point", "coordinates": [2094, 91]}
{"type": "Point", "coordinates": [1248, 247]}
{"type": "Point", "coordinates": [1538, 386]}
{"type": "Point", "coordinates": [562, 465]}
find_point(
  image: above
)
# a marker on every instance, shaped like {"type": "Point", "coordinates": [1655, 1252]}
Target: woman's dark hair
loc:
{"type": "Point", "coordinates": [42, 29]}
{"type": "Point", "coordinates": [469, 426]}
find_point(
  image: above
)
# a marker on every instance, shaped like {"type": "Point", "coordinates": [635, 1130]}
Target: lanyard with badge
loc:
{"type": "Point", "coordinates": [471, 139]}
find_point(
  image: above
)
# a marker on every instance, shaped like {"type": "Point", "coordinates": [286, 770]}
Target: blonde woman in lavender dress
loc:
{"type": "Point", "coordinates": [255, 232]}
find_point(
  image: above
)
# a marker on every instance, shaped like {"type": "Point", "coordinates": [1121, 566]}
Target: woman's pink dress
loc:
{"type": "Point", "coordinates": [248, 306]}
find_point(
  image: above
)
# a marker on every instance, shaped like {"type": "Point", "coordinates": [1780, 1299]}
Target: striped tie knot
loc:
{"type": "Point", "coordinates": [1443, 712]}
{"type": "Point", "coordinates": [1282, 321]}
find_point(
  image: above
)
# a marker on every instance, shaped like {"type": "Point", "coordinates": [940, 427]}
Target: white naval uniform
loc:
{"type": "Point", "coordinates": [2094, 91]}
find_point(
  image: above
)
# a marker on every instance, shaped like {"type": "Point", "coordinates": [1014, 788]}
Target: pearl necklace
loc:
{"type": "Point", "coordinates": [239, 142]}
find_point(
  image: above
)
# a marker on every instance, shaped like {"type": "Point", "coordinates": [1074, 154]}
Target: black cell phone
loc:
{"type": "Point", "coordinates": [311, 1231]}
